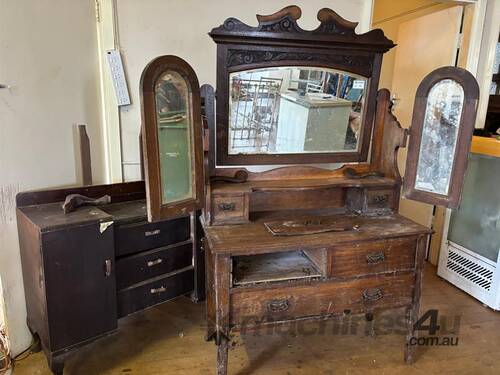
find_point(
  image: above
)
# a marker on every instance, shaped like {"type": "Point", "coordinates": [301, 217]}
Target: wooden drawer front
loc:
{"type": "Point", "coordinates": [372, 257]}
{"type": "Point", "coordinates": [230, 209]}
{"type": "Point", "coordinates": [140, 267]}
{"type": "Point", "coordinates": [133, 238]}
{"type": "Point", "coordinates": [379, 199]}
{"type": "Point", "coordinates": [249, 306]}
{"type": "Point", "coordinates": [155, 291]}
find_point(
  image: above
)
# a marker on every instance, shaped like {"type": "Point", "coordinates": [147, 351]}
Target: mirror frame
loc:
{"type": "Point", "coordinates": [157, 210]}
{"type": "Point", "coordinates": [464, 136]}
{"type": "Point", "coordinates": [279, 41]}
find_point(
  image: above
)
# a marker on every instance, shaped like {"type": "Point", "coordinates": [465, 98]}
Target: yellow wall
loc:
{"type": "Point", "coordinates": [388, 15]}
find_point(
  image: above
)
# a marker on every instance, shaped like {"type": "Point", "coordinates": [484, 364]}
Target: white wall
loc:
{"type": "Point", "coordinates": [150, 28]}
{"type": "Point", "coordinates": [48, 54]}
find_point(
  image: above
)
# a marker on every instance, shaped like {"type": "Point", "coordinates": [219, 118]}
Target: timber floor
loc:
{"type": "Point", "coordinates": [169, 340]}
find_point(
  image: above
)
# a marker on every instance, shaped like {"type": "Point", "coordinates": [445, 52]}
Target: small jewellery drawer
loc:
{"type": "Point", "coordinates": [154, 291]}
{"type": "Point", "coordinates": [229, 209]}
{"type": "Point", "coordinates": [136, 268]}
{"type": "Point", "coordinates": [367, 258]}
{"type": "Point", "coordinates": [272, 304]}
{"type": "Point", "coordinates": [136, 237]}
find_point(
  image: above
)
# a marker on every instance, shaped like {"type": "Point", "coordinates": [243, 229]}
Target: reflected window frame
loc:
{"type": "Point", "coordinates": [464, 136]}
{"type": "Point", "coordinates": [156, 208]}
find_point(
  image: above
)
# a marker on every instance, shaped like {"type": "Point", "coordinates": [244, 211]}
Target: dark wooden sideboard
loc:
{"type": "Point", "coordinates": [84, 270]}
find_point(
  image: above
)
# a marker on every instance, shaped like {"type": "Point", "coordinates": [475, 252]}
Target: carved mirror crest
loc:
{"type": "Point", "coordinates": [291, 96]}
{"type": "Point", "coordinates": [171, 138]}
{"type": "Point", "coordinates": [443, 122]}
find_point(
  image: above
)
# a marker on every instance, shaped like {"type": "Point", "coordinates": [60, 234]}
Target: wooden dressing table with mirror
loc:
{"type": "Point", "coordinates": [317, 237]}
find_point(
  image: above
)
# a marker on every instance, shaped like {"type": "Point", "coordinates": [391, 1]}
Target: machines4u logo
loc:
{"type": "Point", "coordinates": [442, 331]}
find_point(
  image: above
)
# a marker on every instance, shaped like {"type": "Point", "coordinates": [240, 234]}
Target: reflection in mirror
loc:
{"type": "Point", "coordinates": [174, 137]}
{"type": "Point", "coordinates": [286, 110]}
{"type": "Point", "coordinates": [439, 136]}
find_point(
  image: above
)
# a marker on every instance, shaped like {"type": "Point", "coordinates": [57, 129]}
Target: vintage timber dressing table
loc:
{"type": "Point", "coordinates": [312, 242]}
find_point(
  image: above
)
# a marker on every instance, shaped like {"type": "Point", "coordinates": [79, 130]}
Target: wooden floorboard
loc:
{"type": "Point", "coordinates": [169, 340]}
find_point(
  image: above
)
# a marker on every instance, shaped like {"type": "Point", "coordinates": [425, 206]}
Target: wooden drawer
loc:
{"type": "Point", "coordinates": [136, 237]}
{"type": "Point", "coordinates": [154, 291]}
{"type": "Point", "coordinates": [229, 209]}
{"type": "Point", "coordinates": [136, 268]}
{"type": "Point", "coordinates": [367, 258]}
{"type": "Point", "coordinates": [252, 305]}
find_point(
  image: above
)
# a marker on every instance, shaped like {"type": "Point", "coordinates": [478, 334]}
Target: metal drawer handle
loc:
{"type": "Point", "coordinates": [107, 267]}
{"type": "Point", "coordinates": [227, 206]}
{"type": "Point", "coordinates": [371, 295]}
{"type": "Point", "coordinates": [152, 263]}
{"type": "Point", "coordinates": [374, 258]}
{"type": "Point", "coordinates": [161, 289]}
{"type": "Point", "coordinates": [379, 199]}
{"type": "Point", "coordinates": [278, 305]}
{"type": "Point", "coordinates": [150, 233]}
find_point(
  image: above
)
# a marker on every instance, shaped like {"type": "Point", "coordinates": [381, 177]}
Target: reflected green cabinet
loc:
{"type": "Point", "coordinates": [172, 138]}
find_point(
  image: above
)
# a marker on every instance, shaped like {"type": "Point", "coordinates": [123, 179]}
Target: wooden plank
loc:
{"type": "Point", "coordinates": [85, 158]}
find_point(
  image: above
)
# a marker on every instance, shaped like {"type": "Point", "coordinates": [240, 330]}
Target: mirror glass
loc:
{"type": "Point", "coordinates": [293, 109]}
{"type": "Point", "coordinates": [439, 136]}
{"type": "Point", "coordinates": [174, 137]}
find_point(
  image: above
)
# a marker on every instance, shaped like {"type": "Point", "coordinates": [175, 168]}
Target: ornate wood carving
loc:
{"type": "Point", "coordinates": [283, 25]}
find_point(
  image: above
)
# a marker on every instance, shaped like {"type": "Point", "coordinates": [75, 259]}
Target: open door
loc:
{"type": "Point", "coordinates": [443, 121]}
{"type": "Point", "coordinates": [172, 138]}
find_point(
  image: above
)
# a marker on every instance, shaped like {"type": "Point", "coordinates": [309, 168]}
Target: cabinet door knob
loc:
{"type": "Point", "coordinates": [107, 267]}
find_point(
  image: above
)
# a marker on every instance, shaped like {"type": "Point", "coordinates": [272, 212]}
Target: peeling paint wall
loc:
{"type": "Point", "coordinates": [48, 57]}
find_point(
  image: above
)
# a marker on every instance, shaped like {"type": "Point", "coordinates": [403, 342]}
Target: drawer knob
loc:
{"type": "Point", "coordinates": [278, 305]}
{"type": "Point", "coordinates": [155, 262]}
{"type": "Point", "coordinates": [227, 206]}
{"type": "Point", "coordinates": [374, 258]}
{"type": "Point", "coordinates": [161, 289]}
{"type": "Point", "coordinates": [371, 295]}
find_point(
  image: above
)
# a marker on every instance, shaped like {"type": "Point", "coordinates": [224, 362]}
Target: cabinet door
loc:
{"type": "Point", "coordinates": [172, 138]}
{"type": "Point", "coordinates": [78, 266]}
{"type": "Point", "coordinates": [440, 135]}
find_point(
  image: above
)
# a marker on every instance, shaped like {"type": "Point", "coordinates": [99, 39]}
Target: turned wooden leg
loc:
{"type": "Point", "coordinates": [222, 356]}
{"type": "Point", "coordinates": [222, 277]}
{"type": "Point", "coordinates": [412, 312]}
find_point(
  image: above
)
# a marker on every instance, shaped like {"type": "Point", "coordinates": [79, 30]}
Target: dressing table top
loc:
{"type": "Point", "coordinates": [255, 238]}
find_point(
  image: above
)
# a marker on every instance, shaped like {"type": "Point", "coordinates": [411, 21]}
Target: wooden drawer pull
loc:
{"type": "Point", "coordinates": [161, 289]}
{"type": "Point", "coordinates": [278, 305]}
{"type": "Point", "coordinates": [371, 295]}
{"type": "Point", "coordinates": [227, 206]}
{"type": "Point", "coordinates": [374, 258]}
{"type": "Point", "coordinates": [155, 262]}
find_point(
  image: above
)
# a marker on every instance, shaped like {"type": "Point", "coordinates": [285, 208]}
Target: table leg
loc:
{"type": "Point", "coordinates": [412, 312]}
{"type": "Point", "coordinates": [222, 277]}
